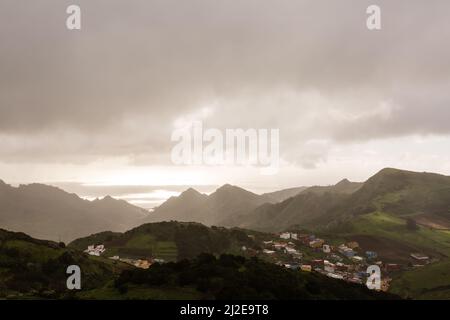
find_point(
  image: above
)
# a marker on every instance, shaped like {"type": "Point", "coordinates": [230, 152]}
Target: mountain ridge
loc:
{"type": "Point", "coordinates": [48, 212]}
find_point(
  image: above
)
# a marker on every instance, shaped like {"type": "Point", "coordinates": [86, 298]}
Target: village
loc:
{"type": "Point", "coordinates": [305, 253]}
{"type": "Point", "coordinates": [346, 261]}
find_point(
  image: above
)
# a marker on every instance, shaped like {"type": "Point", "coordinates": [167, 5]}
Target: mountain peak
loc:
{"type": "Point", "coordinates": [190, 193]}
{"type": "Point", "coordinates": [343, 182]}
{"type": "Point", "coordinates": [228, 187]}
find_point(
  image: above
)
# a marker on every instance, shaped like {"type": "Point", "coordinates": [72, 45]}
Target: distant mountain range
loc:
{"type": "Point", "coordinates": [424, 197]}
{"type": "Point", "coordinates": [50, 213]}
{"type": "Point", "coordinates": [219, 208]}
{"type": "Point", "coordinates": [47, 212]}
{"type": "Point", "coordinates": [234, 206]}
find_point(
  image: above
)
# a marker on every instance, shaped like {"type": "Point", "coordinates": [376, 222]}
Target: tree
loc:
{"type": "Point", "coordinates": [411, 224]}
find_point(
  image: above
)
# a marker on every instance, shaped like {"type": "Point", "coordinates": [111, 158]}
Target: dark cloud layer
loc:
{"type": "Point", "coordinates": [309, 67]}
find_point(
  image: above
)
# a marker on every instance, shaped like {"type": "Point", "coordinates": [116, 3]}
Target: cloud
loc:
{"type": "Point", "coordinates": [310, 68]}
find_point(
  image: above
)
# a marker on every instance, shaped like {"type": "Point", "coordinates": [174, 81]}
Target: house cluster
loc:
{"type": "Point", "coordinates": [94, 250]}
{"type": "Point", "coordinates": [346, 261]}
{"type": "Point", "coordinates": [288, 235]}
{"type": "Point", "coordinates": [350, 272]}
{"type": "Point", "coordinates": [288, 248]}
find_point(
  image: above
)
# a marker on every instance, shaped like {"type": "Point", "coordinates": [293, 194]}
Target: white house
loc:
{"type": "Point", "coordinates": [95, 250]}
{"type": "Point", "coordinates": [285, 235]}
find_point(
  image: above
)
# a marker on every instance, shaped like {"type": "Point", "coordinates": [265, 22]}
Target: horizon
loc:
{"type": "Point", "coordinates": [149, 197]}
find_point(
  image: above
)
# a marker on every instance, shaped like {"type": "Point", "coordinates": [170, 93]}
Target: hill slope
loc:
{"type": "Point", "coordinates": [281, 195]}
{"type": "Point", "coordinates": [31, 268]}
{"type": "Point", "coordinates": [48, 212]}
{"type": "Point", "coordinates": [305, 209]}
{"type": "Point", "coordinates": [421, 196]}
{"type": "Point", "coordinates": [170, 241]}
{"type": "Point", "coordinates": [219, 208]}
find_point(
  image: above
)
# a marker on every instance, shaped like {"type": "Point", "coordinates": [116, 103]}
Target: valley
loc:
{"type": "Point", "coordinates": [397, 220]}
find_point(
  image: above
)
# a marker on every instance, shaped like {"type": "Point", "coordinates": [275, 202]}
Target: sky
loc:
{"type": "Point", "coordinates": [92, 110]}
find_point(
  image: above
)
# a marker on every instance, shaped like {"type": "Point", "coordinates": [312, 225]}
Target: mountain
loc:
{"type": "Point", "coordinates": [424, 197]}
{"type": "Point", "coordinates": [281, 195]}
{"type": "Point", "coordinates": [403, 192]}
{"type": "Point", "coordinates": [47, 212]}
{"type": "Point", "coordinates": [219, 208]}
{"type": "Point", "coordinates": [169, 241]}
{"type": "Point", "coordinates": [344, 186]}
{"type": "Point", "coordinates": [307, 207]}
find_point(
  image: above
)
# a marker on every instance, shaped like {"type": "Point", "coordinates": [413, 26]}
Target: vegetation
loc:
{"type": "Point", "coordinates": [170, 241]}
{"type": "Point", "coordinates": [429, 282]}
{"type": "Point", "coordinates": [235, 277]}
{"type": "Point", "coordinates": [31, 268]}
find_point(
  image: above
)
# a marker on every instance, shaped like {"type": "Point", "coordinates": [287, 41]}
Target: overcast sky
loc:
{"type": "Point", "coordinates": [98, 105]}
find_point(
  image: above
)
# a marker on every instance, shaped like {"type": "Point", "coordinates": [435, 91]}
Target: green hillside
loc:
{"type": "Point", "coordinates": [31, 268]}
{"type": "Point", "coordinates": [170, 241]}
{"type": "Point", "coordinates": [403, 193]}
{"type": "Point", "coordinates": [35, 269]}
{"type": "Point", "coordinates": [429, 282]}
{"type": "Point", "coordinates": [394, 241]}
{"type": "Point", "coordinates": [424, 197]}
{"type": "Point", "coordinates": [388, 226]}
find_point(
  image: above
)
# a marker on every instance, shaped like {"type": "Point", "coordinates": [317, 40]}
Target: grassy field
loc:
{"type": "Point", "coordinates": [429, 282]}
{"type": "Point", "coordinates": [390, 236]}
{"type": "Point", "coordinates": [146, 245]}
{"type": "Point", "coordinates": [39, 252]}
{"type": "Point", "coordinates": [391, 227]}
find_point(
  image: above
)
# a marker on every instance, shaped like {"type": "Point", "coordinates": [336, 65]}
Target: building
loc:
{"type": "Point", "coordinates": [328, 266]}
{"type": "Point", "coordinates": [306, 267]}
{"type": "Point", "coordinates": [316, 243]}
{"type": "Point", "coordinates": [266, 251]}
{"type": "Point", "coordinates": [285, 235]}
{"type": "Point", "coordinates": [371, 254]}
{"type": "Point", "coordinates": [346, 251]}
{"type": "Point", "coordinates": [353, 245]}
{"type": "Point", "coordinates": [143, 264]}
{"type": "Point", "coordinates": [419, 256]}
{"type": "Point", "coordinates": [317, 262]}
{"type": "Point", "coordinates": [288, 235]}
{"type": "Point", "coordinates": [279, 245]}
{"type": "Point", "coordinates": [290, 250]}
{"type": "Point", "coordinates": [335, 276]}
{"type": "Point", "coordinates": [95, 250]}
